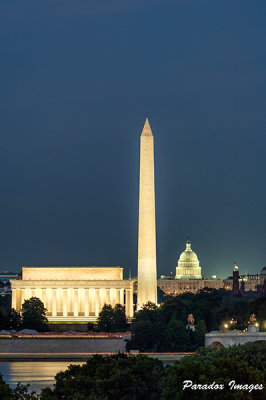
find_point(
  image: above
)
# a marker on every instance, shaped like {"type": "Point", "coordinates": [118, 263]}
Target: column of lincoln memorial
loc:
{"type": "Point", "coordinates": [73, 293]}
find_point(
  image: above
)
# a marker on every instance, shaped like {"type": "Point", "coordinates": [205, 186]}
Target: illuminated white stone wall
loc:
{"type": "Point", "coordinates": [178, 286]}
{"type": "Point", "coordinates": [78, 299]}
{"type": "Point", "coordinates": [147, 276]}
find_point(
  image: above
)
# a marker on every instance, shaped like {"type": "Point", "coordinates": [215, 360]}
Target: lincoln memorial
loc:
{"type": "Point", "coordinates": [73, 293]}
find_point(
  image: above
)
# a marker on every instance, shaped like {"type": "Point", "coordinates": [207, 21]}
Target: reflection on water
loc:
{"type": "Point", "coordinates": [39, 374]}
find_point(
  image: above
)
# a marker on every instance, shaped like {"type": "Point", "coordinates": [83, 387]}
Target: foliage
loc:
{"type": "Point", "coordinates": [91, 326]}
{"type": "Point", "coordinates": [177, 337]}
{"type": "Point", "coordinates": [153, 331]}
{"type": "Point", "coordinates": [33, 315]}
{"type": "Point", "coordinates": [147, 336]}
{"type": "Point", "coordinates": [209, 365]}
{"type": "Point", "coordinates": [105, 318]}
{"type": "Point", "coordinates": [112, 319]}
{"type": "Point", "coordinates": [198, 336]}
{"type": "Point", "coordinates": [119, 318]}
{"type": "Point", "coordinates": [5, 391]}
{"type": "Point", "coordinates": [253, 353]}
{"type": "Point", "coordinates": [114, 377]}
{"type": "Point", "coordinates": [174, 306]}
{"type": "Point", "coordinates": [5, 307]}
{"type": "Point", "coordinates": [21, 393]}
{"type": "Point", "coordinates": [258, 307]}
{"type": "Point", "coordinates": [15, 321]}
{"type": "Point", "coordinates": [164, 329]}
{"type": "Point", "coordinates": [4, 321]}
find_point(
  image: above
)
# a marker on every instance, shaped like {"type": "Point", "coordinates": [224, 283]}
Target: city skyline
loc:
{"type": "Point", "coordinates": [76, 89]}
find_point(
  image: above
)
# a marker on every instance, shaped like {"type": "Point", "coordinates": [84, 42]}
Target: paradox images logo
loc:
{"type": "Point", "coordinates": [218, 386]}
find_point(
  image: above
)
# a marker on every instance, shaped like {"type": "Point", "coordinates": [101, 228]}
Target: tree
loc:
{"type": "Point", "coordinates": [15, 320]}
{"type": "Point", "coordinates": [252, 353]}
{"type": "Point", "coordinates": [209, 365]}
{"type": "Point", "coordinates": [33, 315]}
{"type": "Point", "coordinates": [114, 377]}
{"type": "Point", "coordinates": [149, 311]}
{"type": "Point", "coordinates": [199, 334]}
{"type": "Point", "coordinates": [177, 336]}
{"type": "Point", "coordinates": [21, 393]}
{"type": "Point", "coordinates": [119, 318]}
{"type": "Point", "coordinates": [105, 319]}
{"type": "Point", "coordinates": [174, 306]}
{"type": "Point", "coordinates": [147, 335]}
{"type": "Point", "coordinates": [91, 326]}
{"type": "Point", "coordinates": [112, 319]}
{"type": "Point", "coordinates": [259, 308]}
{"type": "Point", "coordinates": [5, 307]}
{"type": "Point", "coordinates": [5, 391]}
{"type": "Point", "coordinates": [4, 321]}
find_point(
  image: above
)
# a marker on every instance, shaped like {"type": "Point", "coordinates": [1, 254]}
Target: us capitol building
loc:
{"type": "Point", "coordinates": [188, 277]}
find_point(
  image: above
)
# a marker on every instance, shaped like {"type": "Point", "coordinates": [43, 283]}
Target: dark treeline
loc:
{"type": "Point", "coordinates": [164, 328]}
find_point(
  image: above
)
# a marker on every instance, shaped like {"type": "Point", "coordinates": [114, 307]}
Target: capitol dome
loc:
{"type": "Point", "coordinates": [188, 265]}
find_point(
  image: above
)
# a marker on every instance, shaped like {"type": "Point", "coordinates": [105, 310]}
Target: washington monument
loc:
{"type": "Point", "coordinates": [147, 276]}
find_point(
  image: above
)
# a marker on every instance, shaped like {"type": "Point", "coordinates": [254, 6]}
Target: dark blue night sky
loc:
{"type": "Point", "coordinates": [78, 79]}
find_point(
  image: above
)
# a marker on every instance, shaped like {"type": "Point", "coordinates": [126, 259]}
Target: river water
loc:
{"type": "Point", "coordinates": [39, 374]}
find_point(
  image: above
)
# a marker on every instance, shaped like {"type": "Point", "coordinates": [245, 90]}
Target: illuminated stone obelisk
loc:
{"type": "Point", "coordinates": [147, 276]}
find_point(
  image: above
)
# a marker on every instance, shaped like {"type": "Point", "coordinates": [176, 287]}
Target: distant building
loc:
{"type": "Point", "coordinates": [263, 275]}
{"type": "Point", "coordinates": [8, 276]}
{"type": "Point", "coordinates": [5, 278]}
{"type": "Point", "coordinates": [251, 282]}
{"type": "Point", "coordinates": [262, 286]}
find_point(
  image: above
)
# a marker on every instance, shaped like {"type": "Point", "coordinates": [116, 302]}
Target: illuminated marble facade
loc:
{"type": "Point", "coordinates": [73, 293]}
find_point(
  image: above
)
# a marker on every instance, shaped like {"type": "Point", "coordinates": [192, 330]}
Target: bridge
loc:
{"type": "Point", "coordinates": [231, 338]}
